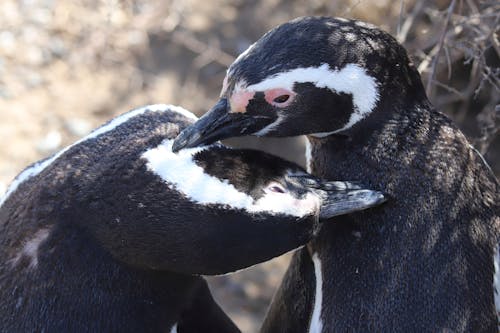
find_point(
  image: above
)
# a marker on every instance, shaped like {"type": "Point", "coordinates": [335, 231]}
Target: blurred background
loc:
{"type": "Point", "coordinates": [68, 66]}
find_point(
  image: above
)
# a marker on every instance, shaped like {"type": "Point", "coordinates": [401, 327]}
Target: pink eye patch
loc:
{"type": "Point", "coordinates": [239, 101]}
{"type": "Point", "coordinates": [279, 97]}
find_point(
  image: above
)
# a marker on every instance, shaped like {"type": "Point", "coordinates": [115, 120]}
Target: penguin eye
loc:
{"type": "Point", "coordinates": [275, 188]}
{"type": "Point", "coordinates": [279, 97]}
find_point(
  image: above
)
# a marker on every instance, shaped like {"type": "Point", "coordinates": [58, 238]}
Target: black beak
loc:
{"type": "Point", "coordinates": [217, 124]}
{"type": "Point", "coordinates": [342, 197]}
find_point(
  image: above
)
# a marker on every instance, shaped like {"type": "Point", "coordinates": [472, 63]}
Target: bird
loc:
{"type": "Point", "coordinates": [427, 260]}
{"type": "Point", "coordinates": [114, 232]}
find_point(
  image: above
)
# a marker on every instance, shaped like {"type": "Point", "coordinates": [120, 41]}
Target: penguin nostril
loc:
{"type": "Point", "coordinates": [281, 99]}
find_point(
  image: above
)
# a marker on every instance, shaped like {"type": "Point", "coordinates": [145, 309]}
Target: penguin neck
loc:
{"type": "Point", "coordinates": [439, 202]}
{"type": "Point", "coordinates": [394, 113]}
{"type": "Point", "coordinates": [376, 140]}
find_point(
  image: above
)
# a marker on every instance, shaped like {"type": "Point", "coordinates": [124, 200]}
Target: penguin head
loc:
{"type": "Point", "coordinates": [253, 182]}
{"type": "Point", "coordinates": [315, 76]}
{"type": "Point", "coordinates": [207, 199]}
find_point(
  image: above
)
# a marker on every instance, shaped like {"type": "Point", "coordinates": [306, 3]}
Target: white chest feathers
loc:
{"type": "Point", "coordinates": [316, 324]}
{"type": "Point", "coordinates": [496, 281]}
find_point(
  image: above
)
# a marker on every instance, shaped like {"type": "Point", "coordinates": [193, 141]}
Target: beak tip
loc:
{"type": "Point", "coordinates": [188, 138]}
{"type": "Point", "coordinates": [352, 201]}
{"type": "Point", "coordinates": [380, 198]}
{"type": "Point", "coordinates": [374, 198]}
{"type": "Point", "coordinates": [177, 146]}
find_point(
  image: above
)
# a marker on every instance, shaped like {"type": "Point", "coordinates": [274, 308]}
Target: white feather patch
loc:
{"type": "Point", "coordinates": [40, 166]}
{"type": "Point", "coordinates": [243, 54]}
{"type": "Point", "coordinates": [496, 281]}
{"type": "Point", "coordinates": [31, 246]}
{"type": "Point", "coordinates": [308, 153]}
{"type": "Point", "coordinates": [316, 324]}
{"type": "Point", "coordinates": [482, 158]}
{"type": "Point", "coordinates": [174, 328]}
{"type": "Point", "coordinates": [182, 174]}
{"type": "Point", "coordinates": [352, 79]}
{"type": "Point", "coordinates": [271, 126]}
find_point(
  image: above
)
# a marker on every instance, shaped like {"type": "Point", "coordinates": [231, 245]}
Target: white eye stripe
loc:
{"type": "Point", "coordinates": [280, 202]}
{"type": "Point", "coordinates": [181, 173]}
{"type": "Point", "coordinates": [352, 79]}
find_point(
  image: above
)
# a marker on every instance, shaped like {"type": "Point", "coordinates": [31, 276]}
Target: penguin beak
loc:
{"type": "Point", "coordinates": [342, 197]}
{"type": "Point", "coordinates": [217, 124]}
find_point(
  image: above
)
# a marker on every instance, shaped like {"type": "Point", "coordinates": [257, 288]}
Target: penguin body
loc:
{"type": "Point", "coordinates": [428, 260]}
{"type": "Point", "coordinates": [113, 232]}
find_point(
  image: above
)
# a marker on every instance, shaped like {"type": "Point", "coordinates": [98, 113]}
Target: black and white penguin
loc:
{"type": "Point", "coordinates": [112, 233]}
{"type": "Point", "coordinates": [428, 260]}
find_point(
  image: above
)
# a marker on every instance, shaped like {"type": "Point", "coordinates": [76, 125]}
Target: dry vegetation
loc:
{"type": "Point", "coordinates": [67, 66]}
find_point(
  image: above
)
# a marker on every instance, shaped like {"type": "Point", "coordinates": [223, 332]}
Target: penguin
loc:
{"type": "Point", "coordinates": [114, 233]}
{"type": "Point", "coordinates": [426, 261]}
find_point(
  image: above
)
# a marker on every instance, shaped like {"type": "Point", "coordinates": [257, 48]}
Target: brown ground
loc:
{"type": "Point", "coordinates": [68, 66]}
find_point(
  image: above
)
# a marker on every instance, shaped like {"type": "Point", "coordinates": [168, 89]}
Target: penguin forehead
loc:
{"type": "Point", "coordinates": [180, 172]}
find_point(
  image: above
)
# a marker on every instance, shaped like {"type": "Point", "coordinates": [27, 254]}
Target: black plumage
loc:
{"type": "Point", "coordinates": [95, 239]}
{"type": "Point", "coordinates": [423, 262]}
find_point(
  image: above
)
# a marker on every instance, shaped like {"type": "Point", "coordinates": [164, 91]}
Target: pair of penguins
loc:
{"type": "Point", "coordinates": [425, 261]}
{"type": "Point", "coordinates": [112, 233]}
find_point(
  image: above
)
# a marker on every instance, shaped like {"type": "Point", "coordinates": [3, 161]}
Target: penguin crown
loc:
{"type": "Point", "coordinates": [317, 50]}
